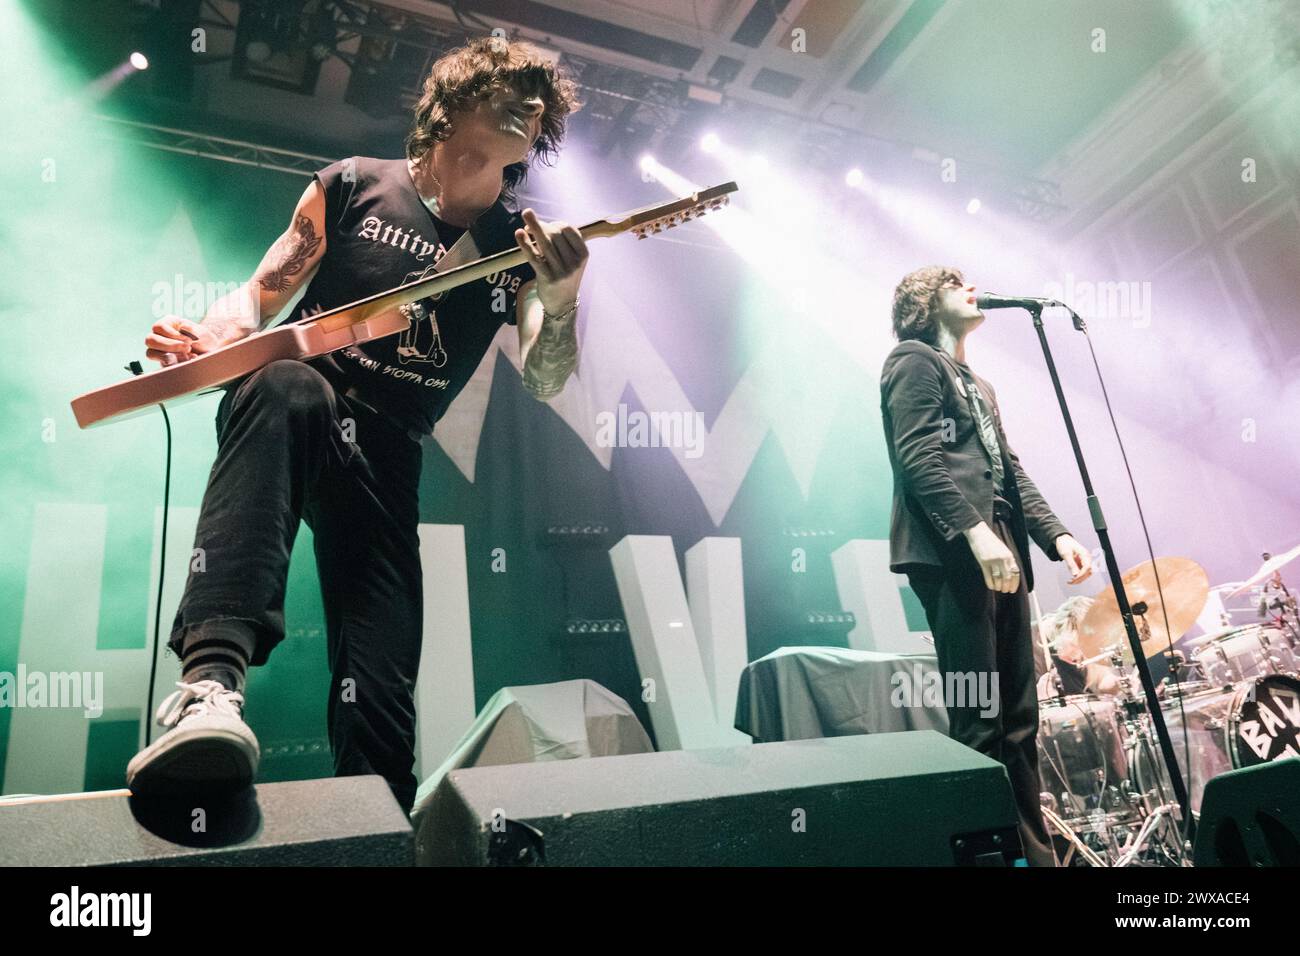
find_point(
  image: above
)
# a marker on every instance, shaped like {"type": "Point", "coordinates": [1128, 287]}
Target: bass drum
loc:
{"type": "Point", "coordinates": [1264, 723]}
{"type": "Point", "coordinates": [1250, 723]}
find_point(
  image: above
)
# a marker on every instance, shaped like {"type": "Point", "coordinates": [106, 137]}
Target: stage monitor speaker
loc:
{"type": "Point", "coordinates": [915, 798]}
{"type": "Point", "coordinates": [338, 821]}
{"type": "Point", "coordinates": [1251, 817]}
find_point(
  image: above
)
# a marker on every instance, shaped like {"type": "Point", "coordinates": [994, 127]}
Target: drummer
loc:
{"type": "Point", "coordinates": [1074, 676]}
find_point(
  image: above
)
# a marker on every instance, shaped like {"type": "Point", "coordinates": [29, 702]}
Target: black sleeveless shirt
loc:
{"type": "Point", "coordinates": [379, 234]}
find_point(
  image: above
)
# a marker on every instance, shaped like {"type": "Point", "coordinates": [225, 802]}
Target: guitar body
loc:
{"type": "Point", "coordinates": [362, 321]}
{"type": "Point", "coordinates": [168, 385]}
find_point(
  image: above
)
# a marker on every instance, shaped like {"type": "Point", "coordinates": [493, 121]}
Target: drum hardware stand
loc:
{"type": "Point", "coordinates": [1044, 642]}
{"type": "Point", "coordinates": [1100, 826]}
{"type": "Point", "coordinates": [1270, 653]}
{"type": "Point", "coordinates": [1144, 626]}
{"type": "Point", "coordinates": [1134, 845]}
{"type": "Point", "coordinates": [1112, 567]}
{"type": "Point", "coordinates": [1137, 732]}
{"type": "Point", "coordinates": [1176, 661]}
{"type": "Point", "coordinates": [1064, 829]}
{"type": "Point", "coordinates": [1166, 812]}
{"type": "Point", "coordinates": [1287, 617]}
{"type": "Point", "coordinates": [1138, 842]}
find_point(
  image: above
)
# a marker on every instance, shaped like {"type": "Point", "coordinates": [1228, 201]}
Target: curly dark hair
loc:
{"type": "Point", "coordinates": [474, 72]}
{"type": "Point", "coordinates": [915, 299]}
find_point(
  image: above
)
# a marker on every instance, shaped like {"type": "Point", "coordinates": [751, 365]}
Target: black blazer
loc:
{"type": "Point", "coordinates": [944, 487]}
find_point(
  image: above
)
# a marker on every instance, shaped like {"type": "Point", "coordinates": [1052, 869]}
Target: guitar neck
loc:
{"type": "Point", "coordinates": [645, 221]}
{"type": "Point", "coordinates": [362, 321]}
{"type": "Point", "coordinates": [363, 309]}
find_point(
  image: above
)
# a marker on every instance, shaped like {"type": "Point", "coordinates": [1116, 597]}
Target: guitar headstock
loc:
{"type": "Point", "coordinates": [655, 219]}
{"type": "Point", "coordinates": [685, 209]}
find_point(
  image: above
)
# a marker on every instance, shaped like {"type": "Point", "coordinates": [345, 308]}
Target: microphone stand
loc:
{"type": "Point", "coordinates": [1112, 567]}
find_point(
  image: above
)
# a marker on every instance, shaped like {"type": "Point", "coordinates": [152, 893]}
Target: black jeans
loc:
{"type": "Point", "coordinates": [978, 631]}
{"type": "Point", "coordinates": [291, 448]}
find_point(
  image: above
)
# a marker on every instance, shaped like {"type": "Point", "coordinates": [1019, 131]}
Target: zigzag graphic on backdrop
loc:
{"type": "Point", "coordinates": [617, 354]}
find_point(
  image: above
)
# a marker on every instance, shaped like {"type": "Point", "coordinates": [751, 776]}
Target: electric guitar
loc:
{"type": "Point", "coordinates": [362, 321]}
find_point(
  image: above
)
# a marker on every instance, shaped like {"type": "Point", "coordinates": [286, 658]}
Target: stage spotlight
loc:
{"type": "Point", "coordinates": [973, 206]}
{"type": "Point", "coordinates": [710, 142]}
{"type": "Point", "coordinates": [139, 60]}
{"type": "Point", "coordinates": [704, 94]}
{"type": "Point", "coordinates": [647, 163]}
{"type": "Point", "coordinates": [854, 177]}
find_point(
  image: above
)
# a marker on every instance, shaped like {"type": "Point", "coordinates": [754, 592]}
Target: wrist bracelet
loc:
{"type": "Point", "coordinates": [557, 316]}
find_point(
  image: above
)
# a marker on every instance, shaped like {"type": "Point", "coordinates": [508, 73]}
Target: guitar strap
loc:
{"type": "Point", "coordinates": [492, 232]}
{"type": "Point", "coordinates": [463, 250]}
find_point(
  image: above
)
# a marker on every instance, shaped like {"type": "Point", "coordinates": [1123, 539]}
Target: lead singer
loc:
{"type": "Point", "coordinates": [963, 513]}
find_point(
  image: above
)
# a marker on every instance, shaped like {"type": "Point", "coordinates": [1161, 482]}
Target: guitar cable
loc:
{"type": "Point", "coordinates": [135, 368]}
{"type": "Point", "coordinates": [162, 575]}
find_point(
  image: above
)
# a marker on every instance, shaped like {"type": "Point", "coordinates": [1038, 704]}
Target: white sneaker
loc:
{"type": "Point", "coordinates": [207, 748]}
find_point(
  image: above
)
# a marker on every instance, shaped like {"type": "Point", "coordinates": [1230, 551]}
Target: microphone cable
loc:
{"type": "Point", "coordinates": [1164, 610]}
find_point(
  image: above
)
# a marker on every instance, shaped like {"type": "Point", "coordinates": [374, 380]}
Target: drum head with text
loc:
{"type": "Point", "coordinates": [1265, 720]}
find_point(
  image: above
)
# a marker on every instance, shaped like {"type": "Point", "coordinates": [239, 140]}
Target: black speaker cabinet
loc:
{"type": "Point", "coordinates": [339, 821]}
{"type": "Point", "coordinates": [914, 798]}
{"type": "Point", "coordinates": [1251, 817]}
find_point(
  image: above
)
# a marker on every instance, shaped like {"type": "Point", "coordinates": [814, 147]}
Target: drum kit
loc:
{"type": "Point", "coordinates": [1231, 699]}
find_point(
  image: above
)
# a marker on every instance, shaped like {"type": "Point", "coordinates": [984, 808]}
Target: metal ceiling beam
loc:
{"type": "Point", "coordinates": [190, 143]}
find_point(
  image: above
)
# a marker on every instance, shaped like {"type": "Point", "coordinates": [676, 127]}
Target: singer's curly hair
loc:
{"type": "Point", "coordinates": [915, 299]}
{"type": "Point", "coordinates": [474, 72]}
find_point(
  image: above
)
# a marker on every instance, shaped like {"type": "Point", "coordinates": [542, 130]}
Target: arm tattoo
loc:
{"type": "Point", "coordinates": [553, 356]}
{"type": "Point", "coordinates": [290, 254]}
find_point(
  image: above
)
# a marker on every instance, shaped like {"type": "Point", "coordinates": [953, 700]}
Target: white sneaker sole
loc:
{"type": "Point", "coordinates": [211, 758]}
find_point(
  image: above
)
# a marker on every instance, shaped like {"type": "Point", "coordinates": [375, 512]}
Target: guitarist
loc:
{"type": "Point", "coordinates": [336, 441]}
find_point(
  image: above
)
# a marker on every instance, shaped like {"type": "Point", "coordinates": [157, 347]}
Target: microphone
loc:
{"type": "Point", "coordinates": [992, 301]}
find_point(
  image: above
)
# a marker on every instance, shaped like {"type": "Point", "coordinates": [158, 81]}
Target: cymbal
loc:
{"type": "Point", "coordinates": [1186, 586]}
{"type": "Point", "coordinates": [1267, 570]}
